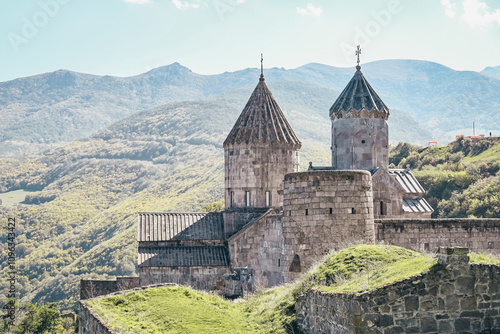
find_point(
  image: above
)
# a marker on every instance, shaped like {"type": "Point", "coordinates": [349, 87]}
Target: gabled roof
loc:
{"type": "Point", "coordinates": [165, 226]}
{"type": "Point", "coordinates": [262, 121]}
{"type": "Point", "coordinates": [359, 99]}
{"type": "Point", "coordinates": [407, 180]}
{"type": "Point", "coordinates": [183, 256]}
{"type": "Point", "coordinates": [416, 205]}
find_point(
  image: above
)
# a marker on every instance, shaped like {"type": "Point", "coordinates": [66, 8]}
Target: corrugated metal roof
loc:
{"type": "Point", "coordinates": [416, 205]}
{"type": "Point", "coordinates": [407, 180]}
{"type": "Point", "coordinates": [162, 226]}
{"type": "Point", "coordinates": [183, 256]}
{"type": "Point", "coordinates": [358, 95]}
{"type": "Point", "coordinates": [262, 121]}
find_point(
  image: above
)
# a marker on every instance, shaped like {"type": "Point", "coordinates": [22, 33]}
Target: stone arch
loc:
{"type": "Point", "coordinates": [295, 267]}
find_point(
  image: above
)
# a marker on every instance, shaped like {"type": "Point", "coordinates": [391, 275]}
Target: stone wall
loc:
{"type": "Point", "coordinates": [453, 297]}
{"type": "Point", "coordinates": [324, 211]}
{"type": "Point", "coordinates": [426, 235]}
{"type": "Point", "coordinates": [257, 169]}
{"type": "Point", "coordinates": [94, 288]}
{"type": "Point", "coordinates": [359, 143]}
{"type": "Point", "coordinates": [200, 278]}
{"type": "Point", "coordinates": [260, 247]}
{"type": "Point", "coordinates": [91, 323]}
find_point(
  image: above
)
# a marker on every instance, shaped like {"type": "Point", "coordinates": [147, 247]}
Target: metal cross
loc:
{"type": "Point", "coordinates": [358, 52]}
{"type": "Point", "coordinates": [261, 64]}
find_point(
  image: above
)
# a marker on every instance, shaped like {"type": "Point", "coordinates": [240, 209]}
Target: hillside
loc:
{"type": "Point", "coordinates": [41, 111]}
{"type": "Point", "coordinates": [462, 179]}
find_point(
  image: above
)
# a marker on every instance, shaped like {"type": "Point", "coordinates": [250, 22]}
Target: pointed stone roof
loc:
{"type": "Point", "coordinates": [262, 121]}
{"type": "Point", "coordinates": [359, 100]}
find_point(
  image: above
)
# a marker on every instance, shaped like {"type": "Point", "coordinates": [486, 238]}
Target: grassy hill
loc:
{"type": "Point", "coordinates": [182, 310]}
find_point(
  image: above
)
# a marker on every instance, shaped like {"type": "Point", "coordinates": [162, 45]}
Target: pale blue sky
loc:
{"type": "Point", "coordinates": [128, 37]}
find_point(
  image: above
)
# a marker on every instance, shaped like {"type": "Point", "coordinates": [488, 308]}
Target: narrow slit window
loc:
{"type": "Point", "coordinates": [307, 212]}
{"type": "Point", "coordinates": [382, 211]}
{"type": "Point", "coordinates": [232, 199]}
{"type": "Point", "coordinates": [268, 199]}
{"type": "Point", "coordinates": [353, 210]}
{"type": "Point", "coordinates": [331, 211]}
{"type": "Point", "coordinates": [247, 198]}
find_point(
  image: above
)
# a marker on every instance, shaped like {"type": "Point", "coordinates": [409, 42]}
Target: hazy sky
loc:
{"type": "Point", "coordinates": [127, 37]}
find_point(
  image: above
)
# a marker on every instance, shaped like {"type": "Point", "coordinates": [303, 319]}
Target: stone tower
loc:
{"type": "Point", "coordinates": [260, 149]}
{"type": "Point", "coordinates": [359, 127]}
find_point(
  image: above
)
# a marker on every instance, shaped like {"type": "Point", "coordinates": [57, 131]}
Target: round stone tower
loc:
{"type": "Point", "coordinates": [260, 149]}
{"type": "Point", "coordinates": [359, 127]}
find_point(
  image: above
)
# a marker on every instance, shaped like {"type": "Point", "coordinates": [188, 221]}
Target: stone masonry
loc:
{"type": "Point", "coordinates": [322, 212]}
{"type": "Point", "coordinates": [452, 297]}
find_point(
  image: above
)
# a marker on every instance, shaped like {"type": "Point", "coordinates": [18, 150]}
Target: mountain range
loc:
{"type": "Point", "coordinates": [49, 109]}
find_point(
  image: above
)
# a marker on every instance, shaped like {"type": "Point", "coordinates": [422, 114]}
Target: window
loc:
{"type": "Point", "coordinates": [279, 262]}
{"type": "Point", "coordinates": [307, 212]}
{"type": "Point", "coordinates": [232, 199]}
{"type": "Point", "coordinates": [247, 198]}
{"type": "Point", "coordinates": [353, 210]}
{"type": "Point", "coordinates": [382, 211]}
{"type": "Point", "coordinates": [331, 211]}
{"type": "Point", "coordinates": [268, 198]}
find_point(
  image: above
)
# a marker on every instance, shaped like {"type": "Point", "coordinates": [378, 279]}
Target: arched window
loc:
{"type": "Point", "coordinates": [295, 266]}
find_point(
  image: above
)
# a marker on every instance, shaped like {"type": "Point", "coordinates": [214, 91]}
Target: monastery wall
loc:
{"type": "Point", "coordinates": [453, 297]}
{"type": "Point", "coordinates": [426, 235]}
{"type": "Point", "coordinates": [261, 248]}
{"type": "Point", "coordinates": [197, 277]}
{"type": "Point", "coordinates": [324, 211]}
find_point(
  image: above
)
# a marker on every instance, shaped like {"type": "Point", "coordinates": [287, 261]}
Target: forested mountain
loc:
{"type": "Point", "coordinates": [61, 106]}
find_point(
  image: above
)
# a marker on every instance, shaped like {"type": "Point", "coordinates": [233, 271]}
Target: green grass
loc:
{"type": "Point", "coordinates": [183, 310]}
{"type": "Point", "coordinates": [483, 259]}
{"type": "Point", "coordinates": [365, 267]}
{"type": "Point", "coordinates": [490, 155]}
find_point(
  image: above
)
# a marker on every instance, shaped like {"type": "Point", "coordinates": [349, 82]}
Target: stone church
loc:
{"type": "Point", "coordinates": [277, 221]}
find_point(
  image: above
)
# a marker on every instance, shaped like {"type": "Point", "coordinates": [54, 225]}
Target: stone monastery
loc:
{"type": "Point", "coordinates": [278, 221]}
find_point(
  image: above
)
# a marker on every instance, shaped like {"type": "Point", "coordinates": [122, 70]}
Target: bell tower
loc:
{"type": "Point", "coordinates": [360, 135]}
{"type": "Point", "coordinates": [260, 149]}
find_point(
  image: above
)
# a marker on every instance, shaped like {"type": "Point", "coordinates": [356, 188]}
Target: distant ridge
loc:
{"type": "Point", "coordinates": [61, 106]}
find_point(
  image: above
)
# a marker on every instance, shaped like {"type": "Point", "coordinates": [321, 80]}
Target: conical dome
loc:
{"type": "Point", "coordinates": [262, 121]}
{"type": "Point", "coordinates": [359, 100]}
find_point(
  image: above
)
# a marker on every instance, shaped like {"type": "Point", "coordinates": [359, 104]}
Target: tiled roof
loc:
{"type": "Point", "coordinates": [262, 121]}
{"type": "Point", "coordinates": [416, 205]}
{"type": "Point", "coordinates": [163, 226]}
{"type": "Point", "coordinates": [359, 96]}
{"type": "Point", "coordinates": [183, 256]}
{"type": "Point", "coordinates": [407, 180]}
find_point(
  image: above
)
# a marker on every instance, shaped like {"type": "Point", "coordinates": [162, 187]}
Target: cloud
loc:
{"type": "Point", "coordinates": [477, 14]}
{"type": "Point", "coordinates": [184, 4]}
{"type": "Point", "coordinates": [139, 2]}
{"type": "Point", "coordinates": [450, 8]}
{"type": "Point", "coordinates": [310, 10]}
